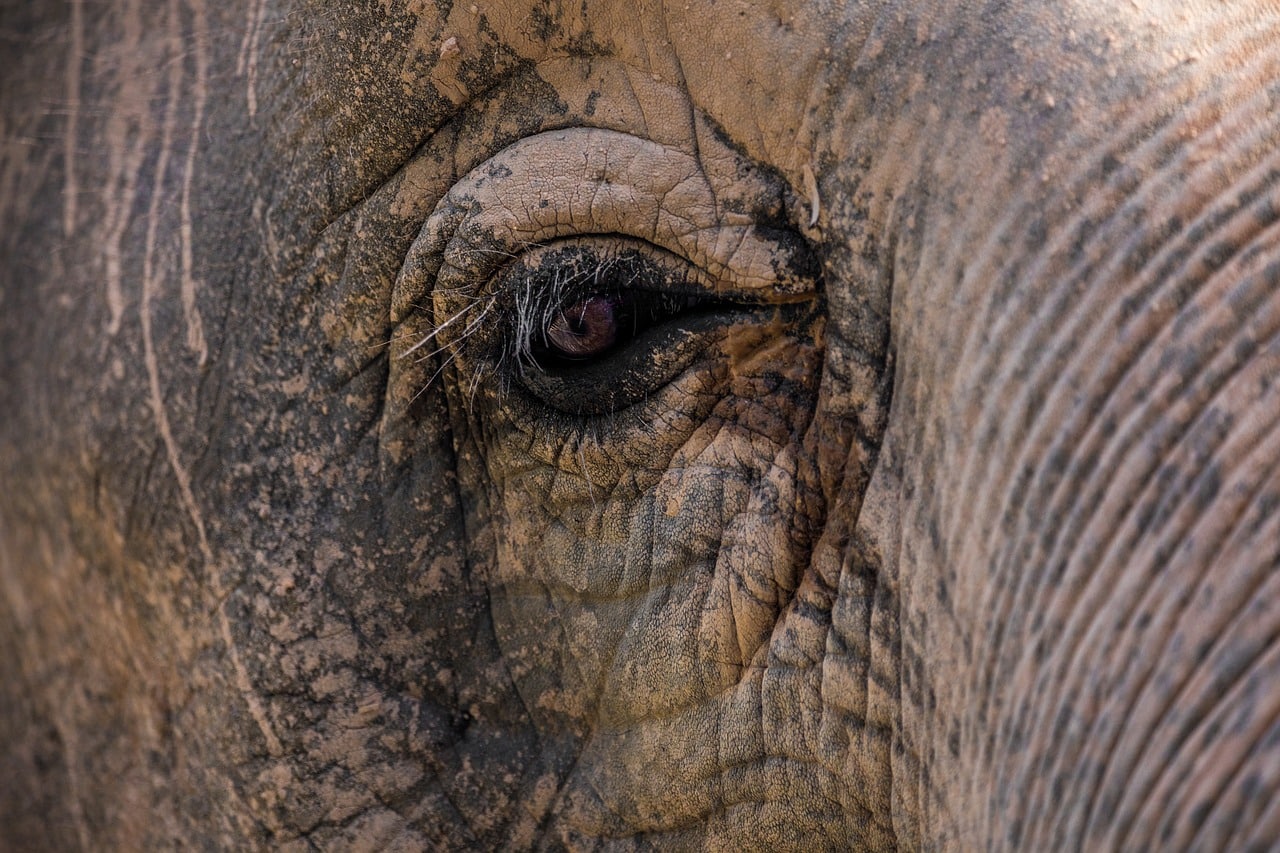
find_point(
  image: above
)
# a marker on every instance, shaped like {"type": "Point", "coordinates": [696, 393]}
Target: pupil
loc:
{"type": "Point", "coordinates": [584, 329]}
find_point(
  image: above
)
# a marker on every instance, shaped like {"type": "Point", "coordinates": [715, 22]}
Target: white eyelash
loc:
{"type": "Point", "coordinates": [530, 303]}
{"type": "Point", "coordinates": [440, 327]}
{"type": "Point", "coordinates": [534, 310]}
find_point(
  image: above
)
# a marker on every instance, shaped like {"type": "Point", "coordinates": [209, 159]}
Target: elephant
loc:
{"type": "Point", "coordinates": [518, 424]}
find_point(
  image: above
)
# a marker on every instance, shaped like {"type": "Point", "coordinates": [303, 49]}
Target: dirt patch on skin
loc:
{"type": "Point", "coordinates": [270, 578]}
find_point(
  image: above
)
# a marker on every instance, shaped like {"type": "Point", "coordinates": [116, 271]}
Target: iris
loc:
{"type": "Point", "coordinates": [586, 328]}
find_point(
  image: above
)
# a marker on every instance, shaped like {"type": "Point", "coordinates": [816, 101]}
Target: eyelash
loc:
{"type": "Point", "coordinates": [494, 333]}
{"type": "Point", "coordinates": [531, 288]}
{"type": "Point", "coordinates": [634, 283]}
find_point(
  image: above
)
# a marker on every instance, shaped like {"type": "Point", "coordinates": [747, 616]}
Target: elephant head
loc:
{"type": "Point", "coordinates": [526, 424]}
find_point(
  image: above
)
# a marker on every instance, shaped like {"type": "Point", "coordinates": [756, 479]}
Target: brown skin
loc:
{"type": "Point", "coordinates": [950, 525]}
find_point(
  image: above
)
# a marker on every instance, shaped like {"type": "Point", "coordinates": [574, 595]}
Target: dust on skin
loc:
{"type": "Point", "coordinates": [268, 554]}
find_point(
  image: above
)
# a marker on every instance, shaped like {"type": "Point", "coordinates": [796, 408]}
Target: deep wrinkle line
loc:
{"type": "Point", "coordinates": [1175, 440]}
{"type": "Point", "coordinates": [1140, 138]}
{"type": "Point", "coordinates": [1008, 594]}
{"type": "Point", "coordinates": [1162, 262]}
{"type": "Point", "coordinates": [71, 188]}
{"type": "Point", "coordinates": [124, 162]}
{"type": "Point", "coordinates": [1229, 536]}
{"type": "Point", "coordinates": [1265, 655]}
{"type": "Point", "coordinates": [149, 282]}
{"type": "Point", "coordinates": [249, 53]}
{"type": "Point", "coordinates": [1267, 650]}
{"type": "Point", "coordinates": [195, 325]}
{"type": "Point", "coordinates": [1180, 441]}
{"type": "Point", "coordinates": [1224, 539]}
{"type": "Point", "coordinates": [683, 86]}
{"type": "Point", "coordinates": [1230, 842]}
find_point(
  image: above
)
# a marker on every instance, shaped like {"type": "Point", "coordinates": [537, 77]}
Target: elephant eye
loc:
{"type": "Point", "coordinates": [598, 326]}
{"type": "Point", "coordinates": [585, 271]}
{"type": "Point", "coordinates": [587, 328]}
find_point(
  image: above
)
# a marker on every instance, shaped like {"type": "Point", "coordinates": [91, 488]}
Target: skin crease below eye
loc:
{"type": "Point", "coordinates": [721, 257]}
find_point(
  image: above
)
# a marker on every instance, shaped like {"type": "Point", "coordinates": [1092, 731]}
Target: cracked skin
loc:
{"type": "Point", "coordinates": [707, 425]}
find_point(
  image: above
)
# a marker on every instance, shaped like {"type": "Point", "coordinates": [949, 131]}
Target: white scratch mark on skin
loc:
{"type": "Point", "coordinates": [263, 221]}
{"type": "Point", "coordinates": [149, 286]}
{"type": "Point", "coordinates": [69, 734]}
{"type": "Point", "coordinates": [123, 161]}
{"type": "Point", "coordinates": [75, 55]}
{"type": "Point", "coordinates": [811, 190]}
{"type": "Point", "coordinates": [195, 327]}
{"type": "Point", "coordinates": [111, 251]}
{"type": "Point", "coordinates": [247, 62]}
{"type": "Point", "coordinates": [20, 610]}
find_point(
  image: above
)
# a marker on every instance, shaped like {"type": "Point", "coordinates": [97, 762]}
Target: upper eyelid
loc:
{"type": "Point", "coordinates": [606, 250]}
{"type": "Point", "coordinates": [600, 182]}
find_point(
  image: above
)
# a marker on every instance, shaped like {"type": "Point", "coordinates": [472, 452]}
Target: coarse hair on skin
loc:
{"type": "Point", "coordinates": [515, 313]}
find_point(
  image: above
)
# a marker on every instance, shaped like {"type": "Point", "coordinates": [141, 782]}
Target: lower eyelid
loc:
{"type": "Point", "coordinates": [617, 372]}
{"type": "Point", "coordinates": [663, 352]}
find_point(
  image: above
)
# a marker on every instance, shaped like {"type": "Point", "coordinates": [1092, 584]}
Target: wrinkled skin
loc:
{"type": "Point", "coordinates": [947, 520]}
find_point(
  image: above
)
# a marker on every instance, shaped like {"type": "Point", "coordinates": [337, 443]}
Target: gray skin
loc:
{"type": "Point", "coordinates": [945, 518]}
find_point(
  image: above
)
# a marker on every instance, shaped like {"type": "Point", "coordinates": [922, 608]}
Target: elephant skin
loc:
{"type": "Point", "coordinates": [734, 425]}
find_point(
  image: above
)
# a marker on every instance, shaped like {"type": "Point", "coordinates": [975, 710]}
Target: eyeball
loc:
{"type": "Point", "coordinates": [585, 329]}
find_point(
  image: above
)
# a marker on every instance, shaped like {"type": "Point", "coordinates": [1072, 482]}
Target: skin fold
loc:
{"type": "Point", "coordinates": [925, 498]}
